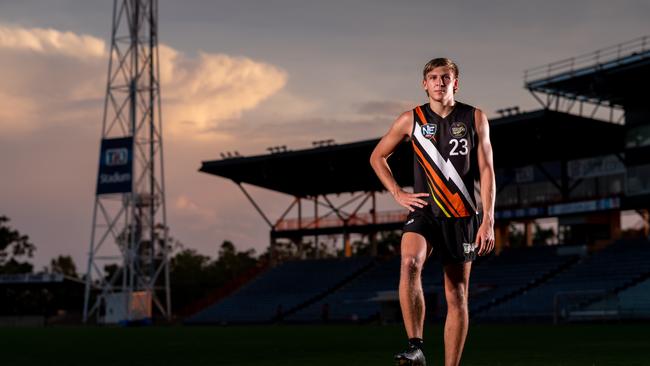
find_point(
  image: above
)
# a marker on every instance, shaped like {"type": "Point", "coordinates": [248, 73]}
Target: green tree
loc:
{"type": "Point", "coordinates": [282, 251]}
{"type": "Point", "coordinates": [190, 276]}
{"type": "Point", "coordinates": [64, 264]}
{"type": "Point", "coordinates": [188, 265]}
{"type": "Point", "coordinates": [195, 276]}
{"type": "Point", "coordinates": [230, 263]}
{"type": "Point", "coordinates": [14, 247]}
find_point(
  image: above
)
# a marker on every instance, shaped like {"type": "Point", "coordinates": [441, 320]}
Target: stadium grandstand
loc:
{"type": "Point", "coordinates": [584, 160]}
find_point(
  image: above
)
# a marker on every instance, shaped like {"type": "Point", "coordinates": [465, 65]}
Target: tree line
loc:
{"type": "Point", "coordinates": [193, 276]}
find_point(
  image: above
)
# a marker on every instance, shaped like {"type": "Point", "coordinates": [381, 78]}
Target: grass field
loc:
{"type": "Point", "coordinates": [501, 345]}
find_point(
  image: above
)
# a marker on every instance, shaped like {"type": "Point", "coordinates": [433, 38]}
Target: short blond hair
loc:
{"type": "Point", "coordinates": [440, 62]}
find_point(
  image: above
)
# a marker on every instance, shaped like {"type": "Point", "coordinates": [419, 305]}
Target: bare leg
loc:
{"type": "Point", "coordinates": [457, 322]}
{"type": "Point", "coordinates": [411, 297]}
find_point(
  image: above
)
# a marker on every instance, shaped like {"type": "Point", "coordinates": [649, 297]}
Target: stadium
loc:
{"type": "Point", "coordinates": [590, 272]}
{"type": "Point", "coordinates": [567, 284]}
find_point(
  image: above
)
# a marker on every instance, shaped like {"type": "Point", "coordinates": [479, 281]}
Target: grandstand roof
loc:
{"type": "Point", "coordinates": [517, 140]}
{"type": "Point", "coordinates": [309, 172]}
{"type": "Point", "coordinates": [611, 74]}
{"type": "Point", "coordinates": [546, 135]}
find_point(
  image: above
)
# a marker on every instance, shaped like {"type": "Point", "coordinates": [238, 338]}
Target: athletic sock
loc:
{"type": "Point", "coordinates": [416, 342]}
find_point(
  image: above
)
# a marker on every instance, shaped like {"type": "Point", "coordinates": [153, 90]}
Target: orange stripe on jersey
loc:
{"type": "Point", "coordinates": [430, 184]}
{"type": "Point", "coordinates": [418, 110]}
{"type": "Point", "coordinates": [427, 168]}
{"type": "Point", "coordinates": [445, 203]}
{"type": "Point", "coordinates": [453, 198]}
{"type": "Point", "coordinates": [421, 115]}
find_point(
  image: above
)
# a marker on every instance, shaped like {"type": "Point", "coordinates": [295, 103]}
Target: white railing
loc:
{"type": "Point", "coordinates": [609, 54]}
{"type": "Point", "coordinates": [359, 219]}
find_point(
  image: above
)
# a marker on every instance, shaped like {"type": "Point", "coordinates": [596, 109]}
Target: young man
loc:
{"type": "Point", "coordinates": [453, 185]}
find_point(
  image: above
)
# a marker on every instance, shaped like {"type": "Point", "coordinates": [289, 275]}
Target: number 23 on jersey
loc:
{"type": "Point", "coordinates": [458, 147]}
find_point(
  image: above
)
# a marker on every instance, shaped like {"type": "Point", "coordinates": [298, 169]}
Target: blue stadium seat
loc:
{"type": "Point", "coordinates": [280, 289]}
{"type": "Point", "coordinates": [601, 272]}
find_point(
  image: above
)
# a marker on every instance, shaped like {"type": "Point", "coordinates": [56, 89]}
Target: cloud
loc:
{"type": "Point", "coordinates": [299, 133]}
{"type": "Point", "coordinates": [184, 206]}
{"type": "Point", "coordinates": [51, 100]}
{"type": "Point", "coordinates": [51, 41]}
{"type": "Point", "coordinates": [50, 76]}
{"type": "Point", "coordinates": [213, 87]}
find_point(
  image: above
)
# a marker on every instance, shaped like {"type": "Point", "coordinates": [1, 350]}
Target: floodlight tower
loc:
{"type": "Point", "coordinates": [127, 277]}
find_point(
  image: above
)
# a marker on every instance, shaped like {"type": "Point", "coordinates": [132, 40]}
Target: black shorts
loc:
{"type": "Point", "coordinates": [452, 239]}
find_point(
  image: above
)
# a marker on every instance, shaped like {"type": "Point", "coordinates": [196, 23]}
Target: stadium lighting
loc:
{"type": "Point", "coordinates": [323, 143]}
{"type": "Point", "coordinates": [277, 149]}
{"type": "Point", "coordinates": [230, 155]}
{"type": "Point", "coordinates": [510, 111]}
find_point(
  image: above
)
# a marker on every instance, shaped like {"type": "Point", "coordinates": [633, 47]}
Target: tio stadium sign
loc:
{"type": "Point", "coordinates": [115, 166]}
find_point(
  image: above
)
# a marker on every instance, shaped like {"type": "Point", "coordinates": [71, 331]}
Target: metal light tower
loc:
{"type": "Point", "coordinates": [128, 267]}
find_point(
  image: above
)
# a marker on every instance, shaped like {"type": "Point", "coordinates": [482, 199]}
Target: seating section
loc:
{"type": "Point", "coordinates": [511, 271]}
{"type": "Point", "coordinates": [356, 300]}
{"type": "Point", "coordinates": [602, 272]}
{"type": "Point", "coordinates": [631, 303]}
{"type": "Point", "coordinates": [280, 289]}
{"type": "Point", "coordinates": [635, 301]}
{"type": "Point", "coordinates": [492, 279]}
{"type": "Point", "coordinates": [523, 283]}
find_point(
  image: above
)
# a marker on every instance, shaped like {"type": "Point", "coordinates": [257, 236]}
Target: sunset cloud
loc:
{"type": "Point", "coordinates": [187, 207]}
{"type": "Point", "coordinates": [50, 75]}
{"type": "Point", "coordinates": [199, 92]}
{"type": "Point", "coordinates": [51, 41]}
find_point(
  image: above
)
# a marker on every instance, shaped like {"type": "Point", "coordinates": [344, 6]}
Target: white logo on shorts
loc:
{"type": "Point", "coordinates": [469, 247]}
{"type": "Point", "coordinates": [410, 221]}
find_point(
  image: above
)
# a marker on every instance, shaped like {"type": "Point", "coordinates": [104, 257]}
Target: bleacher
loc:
{"type": "Point", "coordinates": [357, 300]}
{"type": "Point", "coordinates": [597, 275]}
{"type": "Point", "coordinates": [513, 270]}
{"type": "Point", "coordinates": [634, 302]}
{"type": "Point", "coordinates": [518, 284]}
{"type": "Point", "coordinates": [281, 289]}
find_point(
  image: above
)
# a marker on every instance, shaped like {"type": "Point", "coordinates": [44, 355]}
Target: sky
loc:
{"type": "Point", "coordinates": [245, 75]}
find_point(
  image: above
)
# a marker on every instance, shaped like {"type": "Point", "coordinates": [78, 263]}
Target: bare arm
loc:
{"type": "Point", "coordinates": [485, 235]}
{"type": "Point", "coordinates": [378, 160]}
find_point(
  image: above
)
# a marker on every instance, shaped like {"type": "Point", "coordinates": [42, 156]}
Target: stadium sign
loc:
{"type": "Point", "coordinates": [520, 213]}
{"type": "Point", "coordinates": [115, 166]}
{"type": "Point", "coordinates": [585, 206]}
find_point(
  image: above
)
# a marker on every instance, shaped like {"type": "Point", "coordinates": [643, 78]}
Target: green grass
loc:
{"type": "Point", "coordinates": [528, 345]}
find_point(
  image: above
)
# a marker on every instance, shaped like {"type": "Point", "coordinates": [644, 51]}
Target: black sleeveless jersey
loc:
{"type": "Point", "coordinates": [446, 161]}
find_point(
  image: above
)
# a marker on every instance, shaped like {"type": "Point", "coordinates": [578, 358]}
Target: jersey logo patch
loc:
{"type": "Point", "coordinates": [458, 130]}
{"type": "Point", "coordinates": [429, 130]}
{"type": "Point", "coordinates": [469, 247]}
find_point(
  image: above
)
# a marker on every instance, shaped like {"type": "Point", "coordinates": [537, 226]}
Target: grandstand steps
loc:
{"type": "Point", "coordinates": [632, 283]}
{"type": "Point", "coordinates": [224, 291]}
{"type": "Point", "coordinates": [285, 288]}
{"type": "Point", "coordinates": [530, 285]}
{"type": "Point", "coordinates": [352, 301]}
{"type": "Point", "coordinates": [338, 286]}
{"type": "Point", "coordinates": [521, 283]}
{"type": "Point", "coordinates": [615, 291]}
{"type": "Point", "coordinates": [600, 272]}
